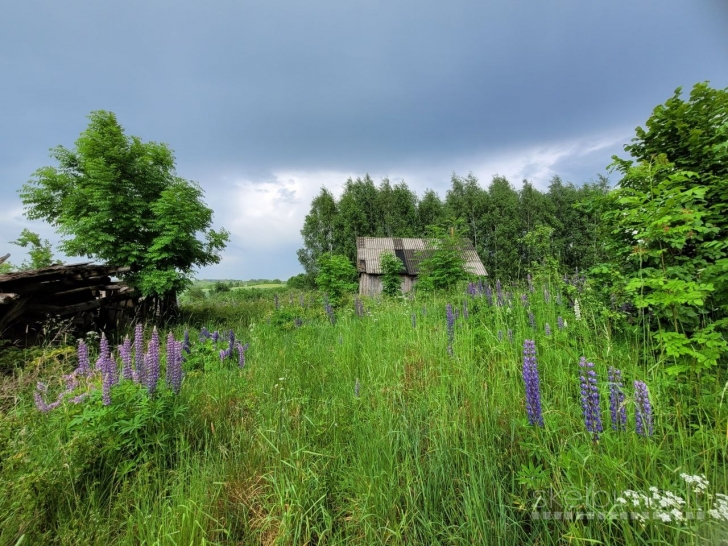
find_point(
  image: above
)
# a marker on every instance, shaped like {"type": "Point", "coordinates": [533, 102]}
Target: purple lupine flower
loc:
{"type": "Point", "coordinates": [104, 353]}
{"type": "Point", "coordinates": [357, 387]}
{"type": "Point", "coordinates": [500, 335]}
{"type": "Point", "coordinates": [125, 352]}
{"type": "Point", "coordinates": [231, 342]}
{"type": "Point", "coordinates": [510, 335]}
{"type": "Point", "coordinates": [298, 322]}
{"type": "Point", "coordinates": [530, 282]}
{"type": "Point", "coordinates": [186, 345]}
{"type": "Point", "coordinates": [241, 354]}
{"type": "Point", "coordinates": [547, 329]}
{"type": "Point", "coordinates": [560, 322]}
{"type": "Point", "coordinates": [524, 299]}
{"type": "Point", "coordinates": [414, 320]}
{"type": "Point", "coordinates": [481, 287]}
{"type": "Point", "coordinates": [590, 398]}
{"type": "Point", "coordinates": [643, 414]}
{"type": "Point", "coordinates": [531, 319]}
{"type": "Point", "coordinates": [174, 363]}
{"type": "Point", "coordinates": [139, 353]}
{"type": "Point", "coordinates": [465, 309]}
{"type": "Point", "coordinates": [532, 383]}
{"type": "Point", "coordinates": [78, 399]}
{"type": "Point", "coordinates": [277, 303]}
{"type": "Point", "coordinates": [204, 334]}
{"type": "Point", "coordinates": [151, 362]}
{"type": "Point", "coordinates": [472, 289]}
{"type": "Point", "coordinates": [215, 336]}
{"type": "Point", "coordinates": [489, 294]}
{"type": "Point", "coordinates": [617, 407]}
{"type": "Point", "coordinates": [84, 367]}
{"type": "Point", "coordinates": [499, 293]}
{"type": "Point", "coordinates": [546, 295]}
{"type": "Point", "coordinates": [43, 406]}
{"type": "Point", "coordinates": [71, 381]}
{"type": "Point", "coordinates": [450, 317]}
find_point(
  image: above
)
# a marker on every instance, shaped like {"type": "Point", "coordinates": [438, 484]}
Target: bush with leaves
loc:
{"type": "Point", "coordinates": [336, 277]}
{"type": "Point", "coordinates": [392, 268]}
{"type": "Point", "coordinates": [443, 266]}
{"type": "Point", "coordinates": [669, 228]}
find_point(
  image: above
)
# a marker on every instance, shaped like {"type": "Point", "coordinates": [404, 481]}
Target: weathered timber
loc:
{"type": "Point", "coordinates": [82, 294]}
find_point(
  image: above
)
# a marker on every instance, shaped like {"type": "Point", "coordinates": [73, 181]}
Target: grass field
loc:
{"type": "Point", "coordinates": [384, 428]}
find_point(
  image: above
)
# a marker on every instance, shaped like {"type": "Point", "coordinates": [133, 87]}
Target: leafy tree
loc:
{"type": "Point", "coordinates": [301, 281]}
{"type": "Point", "coordinates": [336, 277]}
{"type": "Point", "coordinates": [502, 229]}
{"type": "Point", "coordinates": [358, 215]}
{"type": "Point", "coordinates": [392, 267]}
{"type": "Point", "coordinates": [430, 211]}
{"type": "Point", "coordinates": [467, 201]}
{"type": "Point", "coordinates": [669, 229]}
{"type": "Point", "coordinates": [41, 254]}
{"type": "Point", "coordinates": [117, 199]}
{"type": "Point", "coordinates": [318, 233]}
{"type": "Point", "coordinates": [443, 266]}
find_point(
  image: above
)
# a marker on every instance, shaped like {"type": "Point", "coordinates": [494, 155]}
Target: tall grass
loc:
{"type": "Point", "coordinates": [433, 448]}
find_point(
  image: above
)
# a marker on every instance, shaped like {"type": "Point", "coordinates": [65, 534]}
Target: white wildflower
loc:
{"type": "Point", "coordinates": [577, 309]}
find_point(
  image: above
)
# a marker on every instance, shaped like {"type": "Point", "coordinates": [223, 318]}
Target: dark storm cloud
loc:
{"type": "Point", "coordinates": [244, 90]}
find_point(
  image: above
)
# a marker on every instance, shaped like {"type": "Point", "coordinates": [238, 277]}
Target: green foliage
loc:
{"type": "Point", "coordinates": [443, 266]}
{"type": "Point", "coordinates": [392, 267]}
{"type": "Point", "coordinates": [358, 434]}
{"type": "Point", "coordinates": [669, 232]}
{"type": "Point", "coordinates": [117, 199]}
{"type": "Point", "coordinates": [336, 277]}
{"type": "Point", "coordinates": [302, 281]}
{"type": "Point", "coordinates": [221, 286]}
{"type": "Point", "coordinates": [318, 233]}
{"type": "Point", "coordinates": [41, 253]}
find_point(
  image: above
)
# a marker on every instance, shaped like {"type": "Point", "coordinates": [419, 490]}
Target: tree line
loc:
{"type": "Point", "coordinates": [509, 228]}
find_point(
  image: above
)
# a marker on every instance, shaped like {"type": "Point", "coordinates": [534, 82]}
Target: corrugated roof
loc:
{"type": "Point", "coordinates": [369, 249]}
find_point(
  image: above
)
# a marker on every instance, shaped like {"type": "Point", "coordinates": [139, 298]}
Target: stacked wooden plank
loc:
{"type": "Point", "coordinates": [82, 293]}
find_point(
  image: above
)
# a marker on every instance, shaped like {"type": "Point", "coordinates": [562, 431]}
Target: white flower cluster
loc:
{"type": "Point", "coordinates": [699, 484]}
{"type": "Point", "coordinates": [665, 506]}
{"type": "Point", "coordinates": [720, 507]}
{"type": "Point", "coordinates": [577, 309]}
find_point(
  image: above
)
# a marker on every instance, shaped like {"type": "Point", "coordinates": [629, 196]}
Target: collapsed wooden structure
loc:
{"type": "Point", "coordinates": [82, 294]}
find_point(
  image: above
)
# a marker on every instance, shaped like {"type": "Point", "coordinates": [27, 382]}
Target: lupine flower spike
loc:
{"type": "Point", "coordinates": [151, 363]}
{"type": "Point", "coordinates": [643, 417]}
{"type": "Point", "coordinates": [617, 407]}
{"type": "Point", "coordinates": [532, 383]}
{"type": "Point", "coordinates": [590, 398]}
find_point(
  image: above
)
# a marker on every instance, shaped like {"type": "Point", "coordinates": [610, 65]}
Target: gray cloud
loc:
{"type": "Point", "coordinates": [246, 91]}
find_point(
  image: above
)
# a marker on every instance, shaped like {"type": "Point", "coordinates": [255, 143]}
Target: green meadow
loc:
{"type": "Point", "coordinates": [379, 427]}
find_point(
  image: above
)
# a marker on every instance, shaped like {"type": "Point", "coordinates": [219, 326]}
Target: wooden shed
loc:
{"type": "Point", "coordinates": [410, 251]}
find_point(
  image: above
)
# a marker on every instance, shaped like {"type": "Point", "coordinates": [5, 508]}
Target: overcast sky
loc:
{"type": "Point", "coordinates": [265, 101]}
